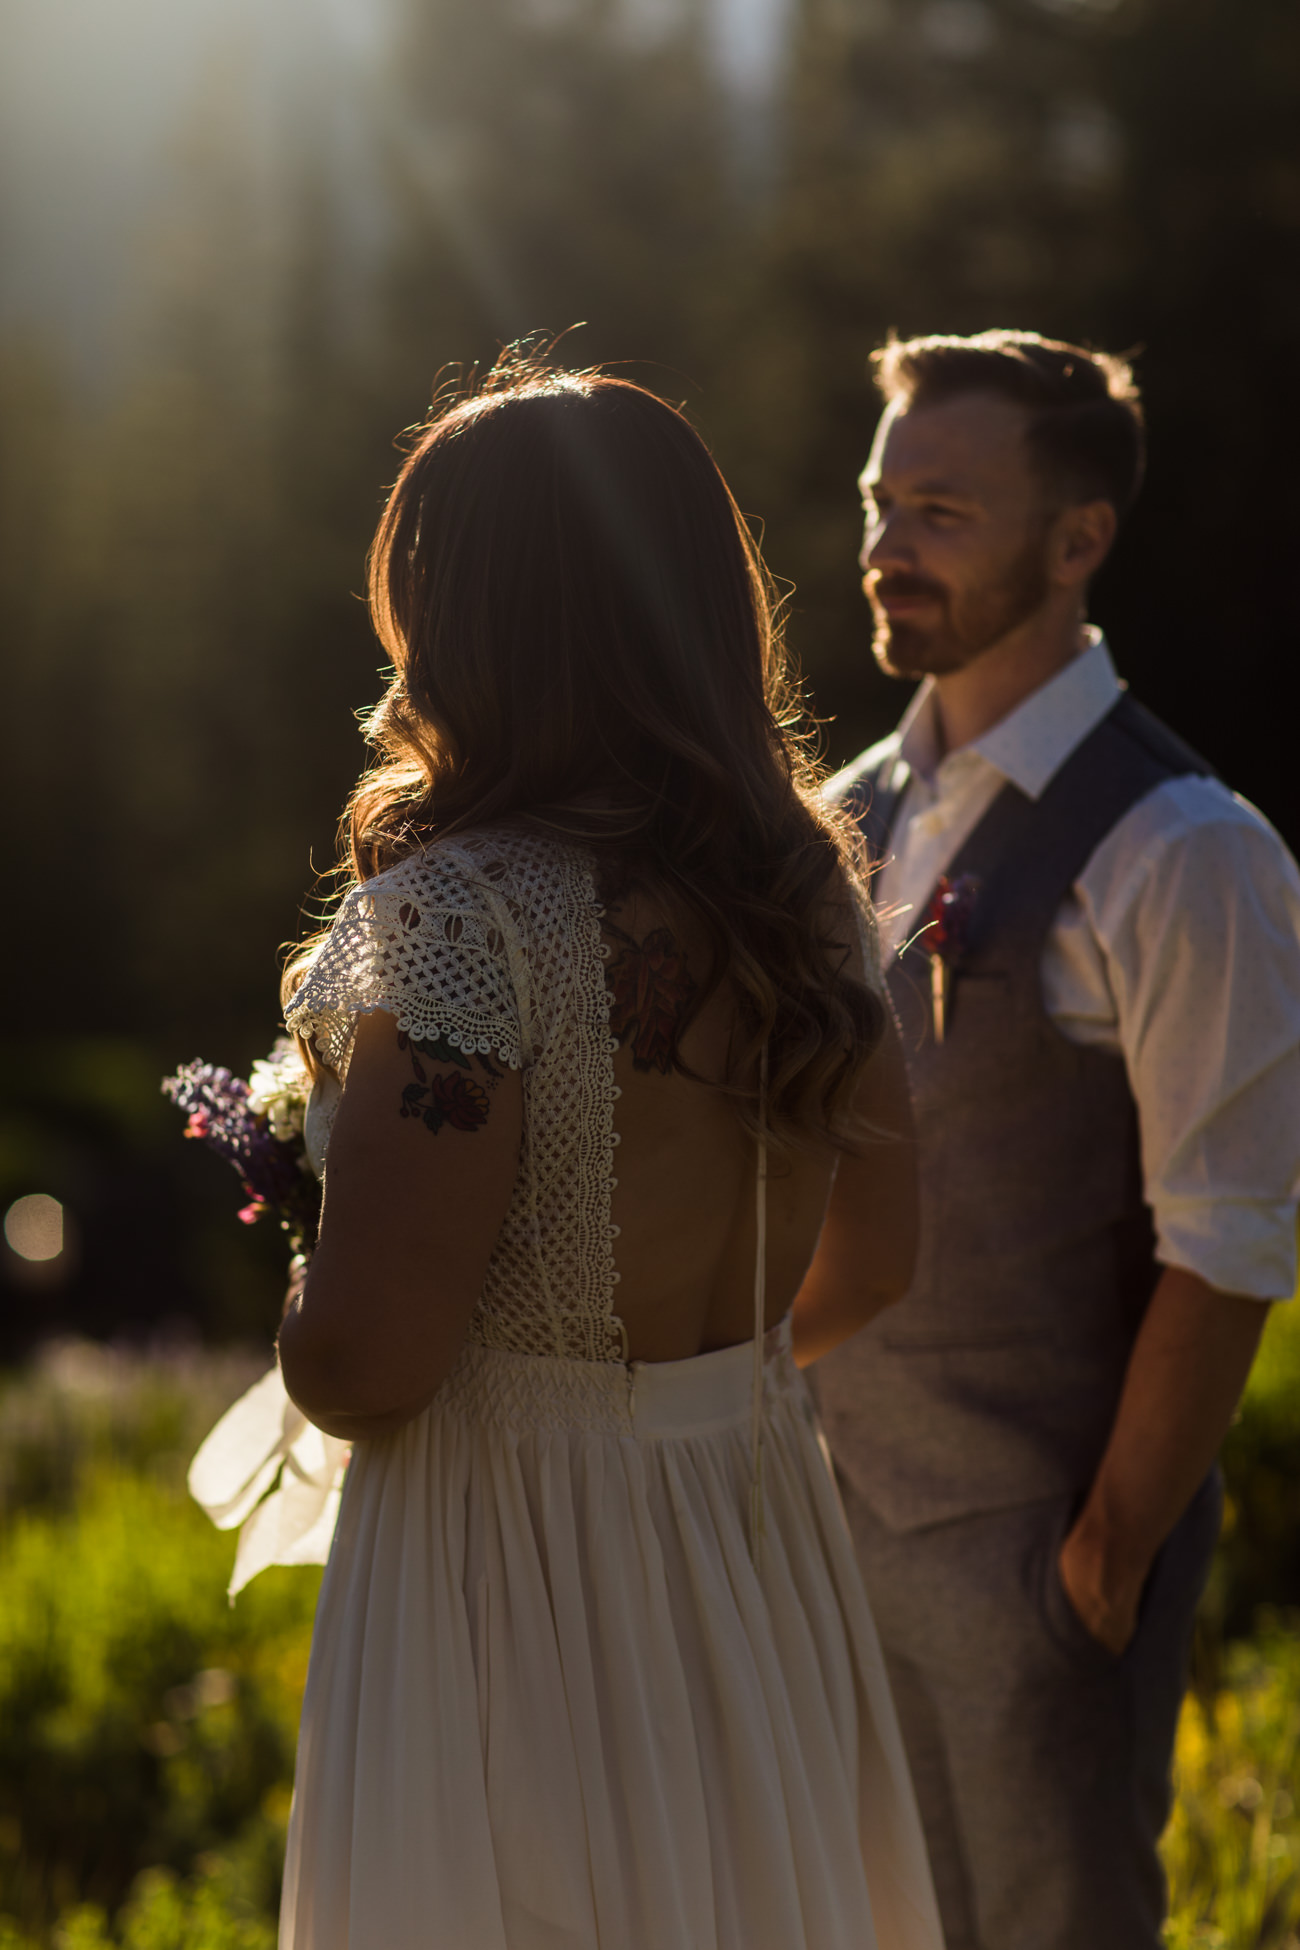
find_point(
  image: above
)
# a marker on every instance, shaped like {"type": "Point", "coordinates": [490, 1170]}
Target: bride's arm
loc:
{"type": "Point", "coordinates": [422, 1164]}
{"type": "Point", "coordinates": [867, 1248]}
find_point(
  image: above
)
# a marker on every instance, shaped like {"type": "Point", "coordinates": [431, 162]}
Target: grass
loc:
{"type": "Point", "coordinates": [1232, 1848]}
{"type": "Point", "coordinates": [147, 1728]}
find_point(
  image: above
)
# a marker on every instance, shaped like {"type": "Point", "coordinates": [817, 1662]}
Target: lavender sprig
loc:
{"type": "Point", "coordinates": [274, 1171]}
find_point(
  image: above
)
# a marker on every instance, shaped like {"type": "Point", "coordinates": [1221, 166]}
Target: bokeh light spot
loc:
{"type": "Point", "coordinates": [34, 1226]}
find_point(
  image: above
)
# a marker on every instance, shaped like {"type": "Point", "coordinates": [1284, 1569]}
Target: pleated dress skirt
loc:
{"type": "Point", "coordinates": [558, 1701]}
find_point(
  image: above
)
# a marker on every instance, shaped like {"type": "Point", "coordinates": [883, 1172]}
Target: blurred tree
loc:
{"type": "Point", "coordinates": [557, 164]}
{"type": "Point", "coordinates": [189, 617]}
{"type": "Point", "coordinates": [176, 582]}
{"type": "Point", "coordinates": [1202, 596]}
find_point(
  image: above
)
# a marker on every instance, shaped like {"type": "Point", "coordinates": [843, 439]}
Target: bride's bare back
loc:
{"type": "Point", "coordinates": [685, 1198]}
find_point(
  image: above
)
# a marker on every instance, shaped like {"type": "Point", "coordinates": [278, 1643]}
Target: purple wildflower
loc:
{"type": "Point", "coordinates": [274, 1172]}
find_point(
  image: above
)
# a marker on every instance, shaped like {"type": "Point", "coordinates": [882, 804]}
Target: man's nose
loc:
{"type": "Point", "coordinates": [884, 544]}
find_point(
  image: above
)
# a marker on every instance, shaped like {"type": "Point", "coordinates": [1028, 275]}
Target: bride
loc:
{"type": "Point", "coordinates": [592, 1667]}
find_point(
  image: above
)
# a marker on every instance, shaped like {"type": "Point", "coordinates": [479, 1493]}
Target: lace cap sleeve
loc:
{"type": "Point", "coordinates": [435, 946]}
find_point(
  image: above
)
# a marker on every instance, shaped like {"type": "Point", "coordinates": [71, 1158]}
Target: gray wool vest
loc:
{"type": "Point", "coordinates": [995, 1382]}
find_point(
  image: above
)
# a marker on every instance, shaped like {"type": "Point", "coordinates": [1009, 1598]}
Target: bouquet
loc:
{"type": "Point", "coordinates": [946, 933]}
{"type": "Point", "coordinates": [258, 1128]}
{"type": "Point", "coordinates": [264, 1468]}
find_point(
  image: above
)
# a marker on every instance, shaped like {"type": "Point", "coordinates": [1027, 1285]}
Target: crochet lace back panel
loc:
{"type": "Point", "coordinates": [493, 940]}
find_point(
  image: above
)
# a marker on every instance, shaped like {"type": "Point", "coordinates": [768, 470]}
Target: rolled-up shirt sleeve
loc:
{"type": "Point", "coordinates": [1195, 905]}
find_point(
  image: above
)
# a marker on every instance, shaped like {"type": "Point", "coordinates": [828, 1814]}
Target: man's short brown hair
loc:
{"type": "Point", "coordinates": [1085, 432]}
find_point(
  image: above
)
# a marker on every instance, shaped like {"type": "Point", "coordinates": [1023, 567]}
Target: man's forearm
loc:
{"type": "Point", "coordinates": [1185, 1377]}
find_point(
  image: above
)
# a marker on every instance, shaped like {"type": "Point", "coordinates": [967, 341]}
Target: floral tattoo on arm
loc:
{"type": "Point", "coordinates": [460, 1101]}
{"type": "Point", "coordinates": [651, 992]}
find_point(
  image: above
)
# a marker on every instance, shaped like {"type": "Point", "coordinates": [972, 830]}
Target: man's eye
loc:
{"type": "Point", "coordinates": [938, 510]}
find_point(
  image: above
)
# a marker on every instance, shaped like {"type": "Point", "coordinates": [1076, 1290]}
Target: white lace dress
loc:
{"type": "Point", "coordinates": [554, 1703]}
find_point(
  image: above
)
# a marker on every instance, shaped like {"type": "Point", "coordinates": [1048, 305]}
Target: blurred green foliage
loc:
{"type": "Point", "coordinates": [1232, 1848]}
{"type": "Point", "coordinates": [1259, 1557]}
{"type": "Point", "coordinates": [147, 1727]}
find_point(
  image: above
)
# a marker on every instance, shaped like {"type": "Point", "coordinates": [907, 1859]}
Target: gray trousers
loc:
{"type": "Point", "coordinates": [1041, 1762]}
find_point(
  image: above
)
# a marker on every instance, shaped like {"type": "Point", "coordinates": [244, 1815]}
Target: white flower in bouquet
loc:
{"type": "Point", "coordinates": [278, 1088]}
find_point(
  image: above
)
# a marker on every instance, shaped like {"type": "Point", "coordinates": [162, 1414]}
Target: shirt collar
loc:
{"type": "Point", "coordinates": [1030, 745]}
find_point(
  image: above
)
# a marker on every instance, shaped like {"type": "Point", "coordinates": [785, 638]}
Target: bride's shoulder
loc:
{"type": "Point", "coordinates": [438, 940]}
{"type": "Point", "coordinates": [502, 892]}
{"type": "Point", "coordinates": [509, 857]}
{"type": "Point", "coordinates": [457, 871]}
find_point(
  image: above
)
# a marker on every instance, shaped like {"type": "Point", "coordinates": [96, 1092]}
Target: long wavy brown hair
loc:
{"type": "Point", "coordinates": [584, 638]}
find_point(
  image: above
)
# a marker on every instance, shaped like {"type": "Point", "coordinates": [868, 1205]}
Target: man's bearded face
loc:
{"type": "Point", "coordinates": [925, 627]}
{"type": "Point", "coordinates": [955, 546]}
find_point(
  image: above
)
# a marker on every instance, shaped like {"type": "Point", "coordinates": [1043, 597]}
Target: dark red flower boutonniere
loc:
{"type": "Point", "coordinates": [945, 934]}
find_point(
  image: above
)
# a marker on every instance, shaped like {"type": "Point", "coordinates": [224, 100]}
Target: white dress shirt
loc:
{"type": "Point", "coordinates": [1177, 948]}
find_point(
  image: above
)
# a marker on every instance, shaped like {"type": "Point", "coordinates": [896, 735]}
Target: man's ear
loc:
{"type": "Point", "coordinates": [1081, 540]}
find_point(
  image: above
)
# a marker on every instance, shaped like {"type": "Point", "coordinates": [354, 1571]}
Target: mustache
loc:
{"type": "Point", "coordinates": [884, 586]}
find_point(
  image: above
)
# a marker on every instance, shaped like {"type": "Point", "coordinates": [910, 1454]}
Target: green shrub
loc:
{"type": "Point", "coordinates": [144, 1723]}
{"type": "Point", "coordinates": [1232, 1848]}
{"type": "Point", "coordinates": [79, 1405]}
{"type": "Point", "coordinates": [166, 1914]}
{"type": "Point", "coordinates": [1259, 1556]}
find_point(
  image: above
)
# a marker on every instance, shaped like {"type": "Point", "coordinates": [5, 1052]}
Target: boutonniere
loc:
{"type": "Point", "coordinates": [945, 934]}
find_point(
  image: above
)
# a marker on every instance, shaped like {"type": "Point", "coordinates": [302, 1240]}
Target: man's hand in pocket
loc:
{"type": "Point", "coordinates": [1105, 1596]}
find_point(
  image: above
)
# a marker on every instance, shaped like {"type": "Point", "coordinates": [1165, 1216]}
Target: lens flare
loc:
{"type": "Point", "coordinates": [34, 1227]}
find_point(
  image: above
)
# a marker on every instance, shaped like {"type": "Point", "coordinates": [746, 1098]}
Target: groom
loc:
{"type": "Point", "coordinates": [1101, 1020]}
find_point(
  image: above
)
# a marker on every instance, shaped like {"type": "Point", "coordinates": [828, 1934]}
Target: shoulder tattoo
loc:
{"type": "Point", "coordinates": [650, 993]}
{"type": "Point", "coordinates": [462, 1100]}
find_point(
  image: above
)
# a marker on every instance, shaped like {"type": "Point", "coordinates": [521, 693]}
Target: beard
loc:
{"type": "Point", "coordinates": [969, 622]}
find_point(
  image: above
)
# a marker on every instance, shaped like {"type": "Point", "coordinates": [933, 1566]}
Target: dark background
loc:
{"type": "Point", "coordinates": [239, 256]}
